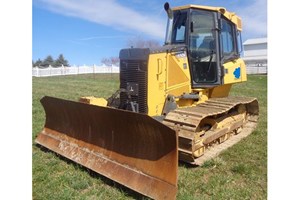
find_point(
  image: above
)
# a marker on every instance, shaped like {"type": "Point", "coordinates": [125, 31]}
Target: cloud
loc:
{"type": "Point", "coordinates": [252, 12]}
{"type": "Point", "coordinates": [113, 14]}
{"type": "Point", "coordinates": [109, 13]}
{"type": "Point", "coordinates": [103, 37]}
{"type": "Point", "coordinates": [254, 18]}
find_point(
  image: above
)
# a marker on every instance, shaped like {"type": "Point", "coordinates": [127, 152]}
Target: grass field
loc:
{"type": "Point", "coordinates": [238, 173]}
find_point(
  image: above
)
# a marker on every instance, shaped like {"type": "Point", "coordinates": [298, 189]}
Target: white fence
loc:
{"type": "Point", "coordinates": [257, 68]}
{"type": "Point", "coordinates": [256, 64]}
{"type": "Point", "coordinates": [59, 71]}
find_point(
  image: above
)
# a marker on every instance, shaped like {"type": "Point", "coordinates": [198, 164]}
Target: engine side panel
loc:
{"type": "Point", "coordinates": [168, 74]}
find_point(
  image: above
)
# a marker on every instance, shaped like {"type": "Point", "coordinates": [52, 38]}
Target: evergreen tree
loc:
{"type": "Point", "coordinates": [61, 61]}
{"type": "Point", "coordinates": [48, 61]}
{"type": "Point", "coordinates": [38, 63]}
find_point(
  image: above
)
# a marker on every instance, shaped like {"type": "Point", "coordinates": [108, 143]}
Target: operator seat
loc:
{"type": "Point", "coordinates": [208, 43]}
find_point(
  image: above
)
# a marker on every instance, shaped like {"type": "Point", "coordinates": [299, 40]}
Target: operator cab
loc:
{"type": "Point", "coordinates": [210, 38]}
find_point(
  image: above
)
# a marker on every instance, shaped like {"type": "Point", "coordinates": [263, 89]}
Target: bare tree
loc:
{"type": "Point", "coordinates": [139, 42]}
{"type": "Point", "coordinates": [110, 61]}
{"type": "Point", "coordinates": [136, 42]}
{"type": "Point", "coordinates": [152, 43]}
{"type": "Point", "coordinates": [106, 61]}
{"type": "Point", "coordinates": [115, 60]}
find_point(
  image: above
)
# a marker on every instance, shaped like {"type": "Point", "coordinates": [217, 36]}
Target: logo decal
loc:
{"type": "Point", "coordinates": [237, 72]}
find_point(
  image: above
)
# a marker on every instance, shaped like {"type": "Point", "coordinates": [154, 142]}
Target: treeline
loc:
{"type": "Point", "coordinates": [50, 61]}
{"type": "Point", "coordinates": [111, 61]}
{"type": "Point", "coordinates": [134, 42]}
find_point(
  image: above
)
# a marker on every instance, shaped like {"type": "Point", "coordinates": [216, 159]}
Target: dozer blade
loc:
{"type": "Point", "coordinates": [130, 148]}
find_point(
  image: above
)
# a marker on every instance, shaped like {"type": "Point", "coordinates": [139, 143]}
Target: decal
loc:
{"type": "Point", "coordinates": [237, 72]}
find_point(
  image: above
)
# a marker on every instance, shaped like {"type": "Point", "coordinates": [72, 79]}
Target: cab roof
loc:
{"type": "Point", "coordinates": [229, 15]}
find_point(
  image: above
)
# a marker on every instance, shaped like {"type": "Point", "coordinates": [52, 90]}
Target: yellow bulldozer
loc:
{"type": "Point", "coordinates": [173, 104]}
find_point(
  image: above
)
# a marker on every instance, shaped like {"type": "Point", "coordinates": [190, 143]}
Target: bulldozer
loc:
{"type": "Point", "coordinates": [173, 104]}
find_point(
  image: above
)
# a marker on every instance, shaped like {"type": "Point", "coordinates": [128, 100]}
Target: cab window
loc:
{"type": "Point", "coordinates": [179, 30]}
{"type": "Point", "coordinates": [227, 38]}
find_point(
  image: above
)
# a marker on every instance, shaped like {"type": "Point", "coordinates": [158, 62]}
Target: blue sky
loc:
{"type": "Point", "coordinates": [87, 31]}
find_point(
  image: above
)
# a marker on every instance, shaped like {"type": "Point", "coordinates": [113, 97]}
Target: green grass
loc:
{"type": "Point", "coordinates": [238, 173]}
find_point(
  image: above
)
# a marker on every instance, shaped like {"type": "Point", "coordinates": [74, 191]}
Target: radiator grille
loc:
{"type": "Point", "coordinates": [134, 71]}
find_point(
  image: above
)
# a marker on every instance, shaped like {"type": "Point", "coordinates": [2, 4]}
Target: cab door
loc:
{"type": "Point", "coordinates": [204, 49]}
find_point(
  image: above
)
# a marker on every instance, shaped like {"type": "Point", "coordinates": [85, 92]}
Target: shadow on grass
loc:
{"type": "Point", "coordinates": [123, 189]}
{"type": "Point", "coordinates": [186, 165]}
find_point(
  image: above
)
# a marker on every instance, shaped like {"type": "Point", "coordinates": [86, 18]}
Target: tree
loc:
{"type": "Point", "coordinates": [152, 43]}
{"type": "Point", "coordinates": [47, 61]}
{"type": "Point", "coordinates": [110, 61]}
{"type": "Point", "coordinates": [106, 61]}
{"type": "Point", "coordinates": [115, 61]}
{"type": "Point", "coordinates": [139, 42]}
{"type": "Point", "coordinates": [37, 63]}
{"type": "Point", "coordinates": [61, 61]}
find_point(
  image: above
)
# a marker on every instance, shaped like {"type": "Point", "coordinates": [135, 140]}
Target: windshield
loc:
{"type": "Point", "coordinates": [202, 39]}
{"type": "Point", "coordinates": [176, 28]}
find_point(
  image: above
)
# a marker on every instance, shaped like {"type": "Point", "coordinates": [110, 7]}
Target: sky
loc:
{"type": "Point", "coordinates": [87, 31]}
